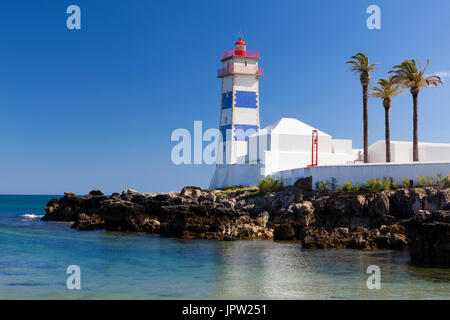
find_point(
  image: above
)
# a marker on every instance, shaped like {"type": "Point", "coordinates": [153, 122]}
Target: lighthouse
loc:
{"type": "Point", "coordinates": [239, 110]}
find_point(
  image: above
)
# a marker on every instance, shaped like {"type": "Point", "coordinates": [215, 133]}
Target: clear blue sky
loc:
{"type": "Point", "coordinates": [95, 108]}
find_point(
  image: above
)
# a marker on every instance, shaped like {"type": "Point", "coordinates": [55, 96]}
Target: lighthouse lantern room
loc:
{"type": "Point", "coordinates": [239, 112]}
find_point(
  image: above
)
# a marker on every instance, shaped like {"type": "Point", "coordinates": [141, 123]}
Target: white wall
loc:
{"type": "Point", "coordinates": [239, 65]}
{"type": "Point", "coordinates": [434, 153]}
{"type": "Point", "coordinates": [298, 143]}
{"type": "Point", "coordinates": [257, 146]}
{"type": "Point", "coordinates": [245, 174]}
{"type": "Point", "coordinates": [240, 148]}
{"type": "Point", "coordinates": [227, 84]}
{"type": "Point", "coordinates": [359, 174]}
{"type": "Point", "coordinates": [236, 174]}
{"type": "Point", "coordinates": [280, 161]}
{"type": "Point", "coordinates": [246, 83]}
{"type": "Point", "coordinates": [401, 152]}
{"type": "Point", "coordinates": [341, 146]}
{"type": "Point", "coordinates": [246, 116]}
{"type": "Point", "coordinates": [226, 116]}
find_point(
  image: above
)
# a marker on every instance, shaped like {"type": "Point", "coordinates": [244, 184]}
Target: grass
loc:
{"type": "Point", "coordinates": [226, 191]}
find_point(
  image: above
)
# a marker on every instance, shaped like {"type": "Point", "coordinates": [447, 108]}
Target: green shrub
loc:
{"type": "Point", "coordinates": [323, 186]}
{"type": "Point", "coordinates": [317, 185]}
{"type": "Point", "coordinates": [387, 183]}
{"type": "Point", "coordinates": [333, 184]}
{"type": "Point", "coordinates": [406, 183]}
{"type": "Point", "coordinates": [443, 181]}
{"type": "Point", "coordinates": [422, 181]}
{"type": "Point", "coordinates": [270, 185]}
{"type": "Point", "coordinates": [446, 181]}
{"type": "Point", "coordinates": [431, 180]}
{"type": "Point", "coordinates": [374, 185]}
{"type": "Point", "coordinates": [348, 186]}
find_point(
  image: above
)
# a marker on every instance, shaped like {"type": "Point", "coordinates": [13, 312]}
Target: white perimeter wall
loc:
{"type": "Point", "coordinates": [359, 174]}
{"type": "Point", "coordinates": [235, 175]}
{"type": "Point", "coordinates": [248, 174]}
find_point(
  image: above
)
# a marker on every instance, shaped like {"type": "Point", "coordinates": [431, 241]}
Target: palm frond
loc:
{"type": "Point", "coordinates": [360, 63]}
{"type": "Point", "coordinates": [386, 88]}
{"type": "Point", "coordinates": [410, 74]}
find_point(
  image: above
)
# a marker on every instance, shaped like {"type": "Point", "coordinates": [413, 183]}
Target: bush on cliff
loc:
{"type": "Point", "coordinates": [446, 183]}
{"type": "Point", "coordinates": [270, 185]}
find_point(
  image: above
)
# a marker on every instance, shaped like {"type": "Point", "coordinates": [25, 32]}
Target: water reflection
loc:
{"type": "Point", "coordinates": [131, 266]}
{"type": "Point", "coordinates": [263, 269]}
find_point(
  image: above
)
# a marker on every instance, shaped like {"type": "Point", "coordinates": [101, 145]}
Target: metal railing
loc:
{"type": "Point", "coordinates": [225, 71]}
{"type": "Point", "coordinates": [230, 69]}
{"type": "Point", "coordinates": [249, 53]}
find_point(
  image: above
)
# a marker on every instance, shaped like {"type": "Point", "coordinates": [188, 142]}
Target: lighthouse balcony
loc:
{"type": "Point", "coordinates": [248, 53]}
{"type": "Point", "coordinates": [225, 71]}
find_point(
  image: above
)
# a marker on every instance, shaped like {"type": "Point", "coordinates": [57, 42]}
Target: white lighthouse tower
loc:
{"type": "Point", "coordinates": [239, 112]}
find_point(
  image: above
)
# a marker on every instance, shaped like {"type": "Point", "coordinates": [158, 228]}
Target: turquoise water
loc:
{"type": "Point", "coordinates": [34, 256]}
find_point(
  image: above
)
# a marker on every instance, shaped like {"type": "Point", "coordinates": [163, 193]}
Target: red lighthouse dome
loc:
{"type": "Point", "coordinates": [240, 48]}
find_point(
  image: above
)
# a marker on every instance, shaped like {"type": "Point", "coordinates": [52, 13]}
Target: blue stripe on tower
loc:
{"type": "Point", "coordinates": [245, 99]}
{"type": "Point", "coordinates": [223, 130]}
{"type": "Point", "coordinates": [227, 100]}
{"type": "Point", "coordinates": [243, 131]}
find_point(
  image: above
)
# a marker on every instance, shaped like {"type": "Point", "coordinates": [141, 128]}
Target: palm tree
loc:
{"type": "Point", "coordinates": [410, 74]}
{"type": "Point", "coordinates": [360, 65]}
{"type": "Point", "coordinates": [386, 90]}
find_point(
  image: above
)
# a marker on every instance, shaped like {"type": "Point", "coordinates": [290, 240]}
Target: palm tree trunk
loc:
{"type": "Point", "coordinates": [415, 131]}
{"type": "Point", "coordinates": [366, 124]}
{"type": "Point", "coordinates": [387, 135]}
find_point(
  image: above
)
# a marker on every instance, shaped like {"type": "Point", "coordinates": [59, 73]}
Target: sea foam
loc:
{"type": "Point", "coordinates": [31, 216]}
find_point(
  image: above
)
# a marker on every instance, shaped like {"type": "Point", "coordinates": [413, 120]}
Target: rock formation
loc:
{"type": "Point", "coordinates": [399, 219]}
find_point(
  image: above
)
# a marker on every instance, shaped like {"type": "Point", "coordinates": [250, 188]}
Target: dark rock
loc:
{"type": "Point", "coordinates": [303, 214]}
{"type": "Point", "coordinates": [96, 193]}
{"type": "Point", "coordinates": [432, 238]}
{"type": "Point", "coordinates": [192, 191]}
{"type": "Point", "coordinates": [88, 222]}
{"type": "Point", "coordinates": [300, 186]}
{"type": "Point", "coordinates": [446, 206]}
{"type": "Point", "coordinates": [384, 220]}
{"type": "Point", "coordinates": [284, 231]}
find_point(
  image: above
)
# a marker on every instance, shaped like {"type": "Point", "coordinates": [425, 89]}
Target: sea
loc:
{"type": "Point", "coordinates": [37, 259]}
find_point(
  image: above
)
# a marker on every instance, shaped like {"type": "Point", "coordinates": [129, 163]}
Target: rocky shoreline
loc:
{"type": "Point", "coordinates": [417, 219]}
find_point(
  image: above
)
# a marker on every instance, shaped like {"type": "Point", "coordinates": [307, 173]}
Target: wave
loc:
{"type": "Point", "coordinates": [31, 216]}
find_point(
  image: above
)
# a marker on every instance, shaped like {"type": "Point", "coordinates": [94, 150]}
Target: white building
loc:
{"type": "Point", "coordinates": [287, 144]}
{"type": "Point", "coordinates": [284, 145]}
{"type": "Point", "coordinates": [401, 151]}
{"type": "Point", "coordinates": [290, 149]}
